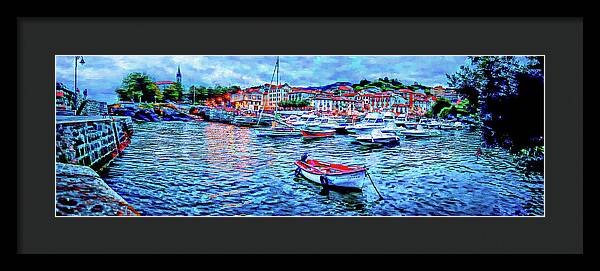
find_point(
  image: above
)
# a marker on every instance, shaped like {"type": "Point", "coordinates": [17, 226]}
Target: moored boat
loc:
{"type": "Point", "coordinates": [451, 125]}
{"type": "Point", "coordinates": [377, 137]}
{"type": "Point", "coordinates": [393, 128]}
{"type": "Point", "coordinates": [430, 123]}
{"type": "Point", "coordinates": [371, 121]}
{"type": "Point", "coordinates": [316, 133]}
{"type": "Point", "coordinates": [306, 120]}
{"type": "Point", "coordinates": [420, 132]}
{"type": "Point", "coordinates": [331, 122]}
{"type": "Point", "coordinates": [389, 117]}
{"type": "Point", "coordinates": [276, 132]}
{"type": "Point", "coordinates": [401, 120]}
{"type": "Point", "coordinates": [331, 175]}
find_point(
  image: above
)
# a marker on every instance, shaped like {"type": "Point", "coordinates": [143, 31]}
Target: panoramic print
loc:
{"type": "Point", "coordinates": [299, 135]}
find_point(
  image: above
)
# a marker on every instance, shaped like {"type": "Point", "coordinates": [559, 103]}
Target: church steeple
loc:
{"type": "Point", "coordinates": [178, 75]}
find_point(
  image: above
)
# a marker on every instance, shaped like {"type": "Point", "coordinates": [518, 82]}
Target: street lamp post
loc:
{"type": "Point", "coordinates": [76, 100]}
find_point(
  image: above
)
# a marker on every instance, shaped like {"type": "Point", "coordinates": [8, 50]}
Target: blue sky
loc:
{"type": "Point", "coordinates": [101, 75]}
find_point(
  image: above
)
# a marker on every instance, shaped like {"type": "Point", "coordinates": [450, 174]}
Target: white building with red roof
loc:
{"type": "Point", "coordinates": [248, 99]}
{"type": "Point", "coordinates": [275, 94]}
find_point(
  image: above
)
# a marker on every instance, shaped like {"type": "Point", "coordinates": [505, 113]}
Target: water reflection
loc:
{"type": "Point", "coordinates": [197, 168]}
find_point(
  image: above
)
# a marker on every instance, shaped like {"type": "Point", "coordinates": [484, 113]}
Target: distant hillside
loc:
{"type": "Point", "coordinates": [386, 84]}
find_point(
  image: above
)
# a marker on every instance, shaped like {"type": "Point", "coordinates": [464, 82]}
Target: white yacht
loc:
{"type": "Point", "coordinates": [371, 121]}
{"type": "Point", "coordinates": [306, 120]}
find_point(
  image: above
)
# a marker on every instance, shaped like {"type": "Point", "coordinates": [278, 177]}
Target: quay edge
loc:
{"type": "Point", "coordinates": [86, 145]}
{"type": "Point", "coordinates": [81, 192]}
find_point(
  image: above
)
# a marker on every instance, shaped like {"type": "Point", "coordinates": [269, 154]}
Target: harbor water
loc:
{"type": "Point", "coordinates": [214, 169]}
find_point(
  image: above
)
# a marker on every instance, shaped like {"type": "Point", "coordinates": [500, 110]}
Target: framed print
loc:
{"type": "Point", "coordinates": [300, 135]}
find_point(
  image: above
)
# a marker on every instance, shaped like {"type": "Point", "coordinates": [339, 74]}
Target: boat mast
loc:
{"type": "Point", "coordinates": [275, 72]}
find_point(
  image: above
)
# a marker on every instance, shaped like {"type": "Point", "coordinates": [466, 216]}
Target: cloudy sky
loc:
{"type": "Point", "coordinates": [101, 75]}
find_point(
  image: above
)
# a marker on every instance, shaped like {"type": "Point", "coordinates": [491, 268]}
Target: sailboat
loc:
{"type": "Point", "coordinates": [278, 128]}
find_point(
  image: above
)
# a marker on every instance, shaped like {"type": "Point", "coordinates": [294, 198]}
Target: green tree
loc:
{"type": "Point", "coordinates": [173, 92]}
{"type": "Point", "coordinates": [138, 87]}
{"type": "Point", "coordinates": [487, 77]}
{"type": "Point", "coordinates": [439, 104]}
{"type": "Point", "coordinates": [202, 92]}
{"type": "Point", "coordinates": [124, 94]}
{"type": "Point", "coordinates": [508, 93]}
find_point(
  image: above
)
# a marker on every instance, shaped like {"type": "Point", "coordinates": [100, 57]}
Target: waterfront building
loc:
{"type": "Point", "coordinates": [345, 90]}
{"type": "Point", "coordinates": [376, 102]}
{"type": "Point", "coordinates": [344, 104]}
{"type": "Point", "coordinates": [274, 94]}
{"type": "Point", "coordinates": [400, 105]}
{"type": "Point", "coordinates": [247, 99]}
{"type": "Point", "coordinates": [400, 108]}
{"type": "Point", "coordinates": [421, 102]}
{"type": "Point", "coordinates": [322, 103]}
{"type": "Point", "coordinates": [302, 94]}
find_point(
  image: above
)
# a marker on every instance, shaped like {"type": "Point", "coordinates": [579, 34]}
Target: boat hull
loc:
{"type": "Point", "coordinates": [317, 134]}
{"type": "Point", "coordinates": [419, 134]}
{"type": "Point", "coordinates": [353, 180]}
{"type": "Point", "coordinates": [260, 133]}
{"type": "Point", "coordinates": [368, 141]}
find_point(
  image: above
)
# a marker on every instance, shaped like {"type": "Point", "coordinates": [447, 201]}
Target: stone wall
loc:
{"type": "Point", "coordinates": [91, 141]}
{"type": "Point", "coordinates": [94, 108]}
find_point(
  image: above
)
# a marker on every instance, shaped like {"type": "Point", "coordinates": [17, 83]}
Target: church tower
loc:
{"type": "Point", "coordinates": [178, 75]}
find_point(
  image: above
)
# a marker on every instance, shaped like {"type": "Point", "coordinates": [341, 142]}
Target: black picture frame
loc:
{"type": "Point", "coordinates": [559, 39]}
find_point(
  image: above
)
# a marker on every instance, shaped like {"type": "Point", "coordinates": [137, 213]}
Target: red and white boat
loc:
{"type": "Point", "coordinates": [331, 175]}
{"type": "Point", "coordinates": [317, 133]}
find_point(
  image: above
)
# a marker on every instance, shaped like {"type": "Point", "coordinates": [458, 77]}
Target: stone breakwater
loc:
{"type": "Point", "coordinates": [91, 141]}
{"type": "Point", "coordinates": [81, 192]}
{"type": "Point", "coordinates": [84, 145]}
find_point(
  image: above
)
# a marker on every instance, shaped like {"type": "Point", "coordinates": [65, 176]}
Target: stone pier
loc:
{"type": "Point", "coordinates": [81, 192]}
{"type": "Point", "coordinates": [85, 145]}
{"type": "Point", "coordinates": [91, 140]}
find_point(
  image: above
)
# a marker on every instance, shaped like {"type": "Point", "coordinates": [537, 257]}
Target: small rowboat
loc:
{"type": "Point", "coordinates": [310, 133]}
{"type": "Point", "coordinates": [332, 175]}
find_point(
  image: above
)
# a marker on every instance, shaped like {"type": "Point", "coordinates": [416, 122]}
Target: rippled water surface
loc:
{"type": "Point", "coordinates": [213, 169]}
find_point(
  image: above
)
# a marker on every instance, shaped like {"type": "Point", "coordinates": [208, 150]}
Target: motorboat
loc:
{"type": "Point", "coordinates": [245, 121]}
{"type": "Point", "coordinates": [393, 128]}
{"type": "Point", "coordinates": [430, 123]}
{"type": "Point", "coordinates": [420, 132]}
{"type": "Point", "coordinates": [376, 136]}
{"type": "Point", "coordinates": [332, 122]}
{"type": "Point", "coordinates": [451, 125]}
{"type": "Point", "coordinates": [389, 117]}
{"type": "Point", "coordinates": [306, 120]}
{"type": "Point", "coordinates": [371, 121]}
